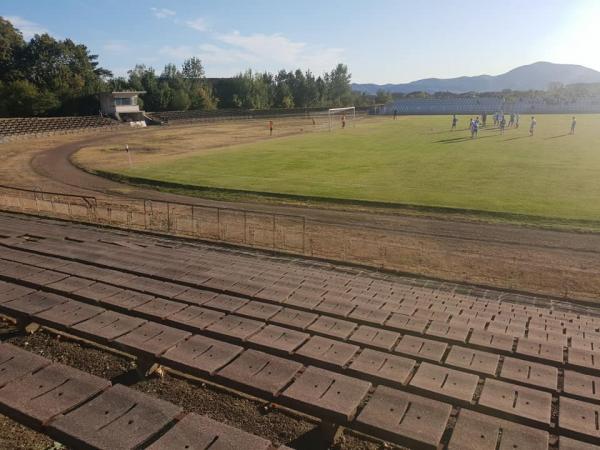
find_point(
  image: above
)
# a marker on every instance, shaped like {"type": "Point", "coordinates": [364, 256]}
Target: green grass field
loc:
{"type": "Point", "coordinates": [415, 160]}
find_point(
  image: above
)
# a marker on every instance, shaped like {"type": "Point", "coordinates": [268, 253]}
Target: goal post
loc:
{"type": "Point", "coordinates": [341, 112]}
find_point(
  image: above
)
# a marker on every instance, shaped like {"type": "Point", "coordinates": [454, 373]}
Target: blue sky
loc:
{"type": "Point", "coordinates": [380, 40]}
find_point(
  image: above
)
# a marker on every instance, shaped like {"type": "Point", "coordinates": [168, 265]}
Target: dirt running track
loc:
{"type": "Point", "coordinates": [557, 263]}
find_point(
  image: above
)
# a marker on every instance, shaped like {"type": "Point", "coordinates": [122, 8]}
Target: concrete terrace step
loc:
{"type": "Point", "coordinates": [84, 411]}
{"type": "Point", "coordinates": [226, 316]}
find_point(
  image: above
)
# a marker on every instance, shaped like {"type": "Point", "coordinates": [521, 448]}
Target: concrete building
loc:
{"type": "Point", "coordinates": [122, 105]}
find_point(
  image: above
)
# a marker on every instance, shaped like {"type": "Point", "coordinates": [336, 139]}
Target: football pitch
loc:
{"type": "Point", "coordinates": [415, 161]}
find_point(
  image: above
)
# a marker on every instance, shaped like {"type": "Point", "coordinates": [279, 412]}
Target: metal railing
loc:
{"type": "Point", "coordinates": [449, 258]}
{"type": "Point", "coordinates": [254, 229]}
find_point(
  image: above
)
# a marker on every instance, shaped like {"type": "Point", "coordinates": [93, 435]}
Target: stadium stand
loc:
{"type": "Point", "coordinates": [28, 126]}
{"type": "Point", "coordinates": [393, 357]}
{"type": "Point", "coordinates": [85, 411]}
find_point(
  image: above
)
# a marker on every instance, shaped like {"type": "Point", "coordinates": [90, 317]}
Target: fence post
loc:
{"type": "Point", "coordinates": [304, 235]}
{"type": "Point", "coordinates": [168, 217]}
{"type": "Point", "coordinates": [219, 223]}
{"type": "Point", "coordinates": [245, 229]}
{"type": "Point", "coordinates": [145, 219]}
{"type": "Point", "coordinates": [274, 231]}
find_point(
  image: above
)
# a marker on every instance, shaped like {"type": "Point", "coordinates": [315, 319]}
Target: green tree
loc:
{"type": "Point", "coordinates": [180, 100]}
{"type": "Point", "coordinates": [25, 99]}
{"type": "Point", "coordinates": [193, 70]}
{"type": "Point", "coordinates": [11, 43]}
{"type": "Point", "coordinates": [202, 98]}
{"type": "Point", "coordinates": [382, 96]}
{"type": "Point", "coordinates": [339, 92]}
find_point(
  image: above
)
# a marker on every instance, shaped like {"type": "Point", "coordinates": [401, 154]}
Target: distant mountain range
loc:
{"type": "Point", "coordinates": [536, 76]}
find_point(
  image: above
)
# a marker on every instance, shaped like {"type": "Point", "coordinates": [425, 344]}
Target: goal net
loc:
{"type": "Point", "coordinates": [341, 117]}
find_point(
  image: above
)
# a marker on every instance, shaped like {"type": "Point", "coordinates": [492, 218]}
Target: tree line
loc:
{"type": "Point", "coordinates": [49, 77]}
{"type": "Point", "coordinates": [557, 93]}
{"type": "Point", "coordinates": [46, 76]}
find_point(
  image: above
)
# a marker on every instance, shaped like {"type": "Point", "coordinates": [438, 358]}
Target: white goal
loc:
{"type": "Point", "coordinates": [340, 117]}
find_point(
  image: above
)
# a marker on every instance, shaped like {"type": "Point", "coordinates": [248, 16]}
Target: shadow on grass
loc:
{"type": "Point", "coordinates": [515, 138]}
{"type": "Point", "coordinates": [444, 131]}
{"type": "Point", "coordinates": [462, 139]}
{"type": "Point", "coordinates": [556, 137]}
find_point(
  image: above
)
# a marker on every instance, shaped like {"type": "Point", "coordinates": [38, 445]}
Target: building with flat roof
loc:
{"type": "Point", "coordinates": [122, 105]}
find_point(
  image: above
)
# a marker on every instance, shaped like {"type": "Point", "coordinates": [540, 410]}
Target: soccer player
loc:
{"type": "Point", "coordinates": [270, 128]}
{"type": "Point", "coordinates": [395, 114]}
{"type": "Point", "coordinates": [532, 126]}
{"type": "Point", "coordinates": [344, 121]}
{"type": "Point", "coordinates": [573, 124]}
{"type": "Point", "coordinates": [517, 118]}
{"type": "Point", "coordinates": [454, 122]}
{"type": "Point", "coordinates": [511, 122]}
{"type": "Point", "coordinates": [502, 124]}
{"type": "Point", "coordinates": [474, 128]}
{"type": "Point", "coordinates": [484, 119]}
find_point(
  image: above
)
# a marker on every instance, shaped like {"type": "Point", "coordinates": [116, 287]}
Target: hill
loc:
{"type": "Point", "coordinates": [535, 76]}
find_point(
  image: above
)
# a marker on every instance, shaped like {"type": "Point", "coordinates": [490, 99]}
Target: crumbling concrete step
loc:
{"type": "Point", "coordinates": [540, 351]}
{"type": "Point", "coordinates": [445, 331]}
{"type": "Point", "coordinates": [586, 360]}
{"type": "Point", "coordinates": [200, 355]}
{"type": "Point", "coordinates": [475, 431]}
{"type": "Point", "coordinates": [9, 291]}
{"type": "Point", "coordinates": [369, 314]}
{"type": "Point", "coordinates": [473, 360]}
{"type": "Point", "coordinates": [258, 310]}
{"type": "Point", "coordinates": [30, 304]}
{"type": "Point", "coordinates": [151, 339]}
{"type": "Point", "coordinates": [294, 318]}
{"type": "Point", "coordinates": [16, 363]}
{"type": "Point", "coordinates": [511, 400]}
{"type": "Point", "coordinates": [68, 314]}
{"type": "Point", "coordinates": [119, 418]}
{"type": "Point", "coordinates": [449, 383]}
{"type": "Point", "coordinates": [194, 318]}
{"type": "Point", "coordinates": [382, 367]}
{"type": "Point", "coordinates": [235, 328]}
{"type": "Point", "coordinates": [326, 394]}
{"type": "Point", "coordinates": [407, 323]}
{"type": "Point", "coordinates": [327, 352]}
{"type": "Point", "coordinates": [259, 373]}
{"type": "Point", "coordinates": [405, 418]}
{"type": "Point", "coordinates": [530, 373]}
{"type": "Point", "coordinates": [565, 443]}
{"type": "Point", "coordinates": [196, 432]}
{"type": "Point", "coordinates": [375, 337]}
{"type": "Point", "coordinates": [421, 348]}
{"type": "Point", "coordinates": [52, 390]}
{"type": "Point", "coordinates": [330, 326]}
{"type": "Point", "coordinates": [107, 326]}
{"type": "Point", "coordinates": [579, 419]}
{"type": "Point", "coordinates": [278, 339]}
{"type": "Point", "coordinates": [126, 300]}
{"type": "Point", "coordinates": [585, 387]}
{"type": "Point", "coordinates": [159, 309]}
